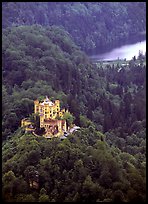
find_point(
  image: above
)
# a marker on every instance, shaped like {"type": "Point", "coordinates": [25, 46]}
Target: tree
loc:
{"type": "Point", "coordinates": [105, 179]}
{"type": "Point", "coordinates": [118, 196]}
{"type": "Point", "coordinates": [35, 119]}
{"type": "Point", "coordinates": [34, 157]}
{"type": "Point", "coordinates": [32, 176]}
{"type": "Point", "coordinates": [8, 181]}
{"type": "Point", "coordinates": [8, 178]}
{"type": "Point", "coordinates": [90, 190]}
{"type": "Point", "coordinates": [69, 118]}
{"type": "Point", "coordinates": [85, 122]}
{"type": "Point", "coordinates": [25, 198]}
{"type": "Point", "coordinates": [20, 186]}
{"type": "Point", "coordinates": [43, 197]}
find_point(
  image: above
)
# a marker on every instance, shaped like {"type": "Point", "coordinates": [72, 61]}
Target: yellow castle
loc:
{"type": "Point", "coordinates": [51, 117]}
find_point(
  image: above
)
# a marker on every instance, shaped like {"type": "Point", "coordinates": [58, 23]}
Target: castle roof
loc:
{"type": "Point", "coordinates": [47, 102]}
{"type": "Point", "coordinates": [49, 120]}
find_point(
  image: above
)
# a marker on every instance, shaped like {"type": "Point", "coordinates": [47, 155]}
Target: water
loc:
{"type": "Point", "coordinates": [124, 52]}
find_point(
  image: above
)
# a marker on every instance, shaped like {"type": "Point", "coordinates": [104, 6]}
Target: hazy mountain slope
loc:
{"type": "Point", "coordinates": [88, 22]}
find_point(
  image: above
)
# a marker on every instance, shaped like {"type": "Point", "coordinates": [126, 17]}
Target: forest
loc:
{"type": "Point", "coordinates": [104, 161]}
{"type": "Point", "coordinates": [91, 27]}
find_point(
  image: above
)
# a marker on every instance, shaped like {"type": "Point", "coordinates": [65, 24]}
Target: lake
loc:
{"type": "Point", "coordinates": [124, 52]}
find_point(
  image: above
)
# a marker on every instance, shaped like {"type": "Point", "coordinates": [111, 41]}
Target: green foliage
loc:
{"type": "Point", "coordinates": [69, 118]}
{"type": "Point", "coordinates": [44, 198]}
{"type": "Point", "coordinates": [54, 72]}
{"type": "Point", "coordinates": [87, 22]}
{"type": "Point", "coordinates": [85, 122]}
{"type": "Point", "coordinates": [79, 168]}
{"type": "Point", "coordinates": [105, 159]}
{"type": "Point", "coordinates": [25, 198]}
{"type": "Point", "coordinates": [8, 177]}
{"type": "Point", "coordinates": [101, 95]}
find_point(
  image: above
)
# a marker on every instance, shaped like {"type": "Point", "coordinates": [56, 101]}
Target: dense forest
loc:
{"type": "Point", "coordinates": [80, 168]}
{"type": "Point", "coordinates": [105, 159]}
{"type": "Point", "coordinates": [91, 27]}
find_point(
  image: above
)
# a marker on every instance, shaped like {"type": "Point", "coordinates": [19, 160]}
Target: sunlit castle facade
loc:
{"type": "Point", "coordinates": [48, 110]}
{"type": "Point", "coordinates": [51, 117]}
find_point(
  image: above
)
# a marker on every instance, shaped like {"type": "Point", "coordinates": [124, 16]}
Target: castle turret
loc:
{"type": "Point", "coordinates": [36, 106]}
{"type": "Point", "coordinates": [47, 99]}
{"type": "Point", "coordinates": [57, 103]}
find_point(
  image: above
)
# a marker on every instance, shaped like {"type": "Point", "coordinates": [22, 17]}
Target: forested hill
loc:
{"type": "Point", "coordinates": [80, 168]}
{"type": "Point", "coordinates": [105, 159]}
{"type": "Point", "coordinates": [93, 25]}
{"type": "Point", "coordinates": [39, 61]}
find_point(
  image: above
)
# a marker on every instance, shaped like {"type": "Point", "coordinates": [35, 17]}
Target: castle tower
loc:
{"type": "Point", "coordinates": [57, 103]}
{"type": "Point", "coordinates": [36, 106]}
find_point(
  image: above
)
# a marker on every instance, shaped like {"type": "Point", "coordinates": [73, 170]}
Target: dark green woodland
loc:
{"type": "Point", "coordinates": [46, 53]}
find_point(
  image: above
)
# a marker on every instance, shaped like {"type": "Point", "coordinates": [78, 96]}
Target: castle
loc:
{"type": "Point", "coordinates": [51, 118]}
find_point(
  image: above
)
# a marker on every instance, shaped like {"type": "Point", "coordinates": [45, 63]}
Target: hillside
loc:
{"type": "Point", "coordinates": [39, 61]}
{"type": "Point", "coordinates": [80, 168]}
{"type": "Point", "coordinates": [91, 27]}
{"type": "Point", "coordinates": [103, 161]}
